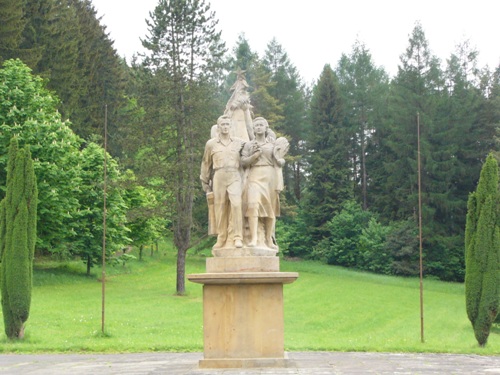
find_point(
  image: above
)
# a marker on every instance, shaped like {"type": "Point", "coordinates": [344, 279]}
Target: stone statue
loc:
{"type": "Point", "coordinates": [263, 159]}
{"type": "Point", "coordinates": [221, 176]}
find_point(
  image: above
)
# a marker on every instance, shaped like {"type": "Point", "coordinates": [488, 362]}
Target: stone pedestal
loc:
{"type": "Point", "coordinates": [243, 312]}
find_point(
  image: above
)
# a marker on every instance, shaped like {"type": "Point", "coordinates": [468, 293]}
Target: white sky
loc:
{"type": "Point", "coordinates": [317, 32]}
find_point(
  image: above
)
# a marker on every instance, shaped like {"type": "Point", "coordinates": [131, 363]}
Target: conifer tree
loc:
{"type": "Point", "coordinates": [482, 252]}
{"type": "Point", "coordinates": [329, 184]}
{"type": "Point", "coordinates": [17, 241]}
{"type": "Point", "coordinates": [185, 52]}
{"type": "Point", "coordinates": [364, 88]}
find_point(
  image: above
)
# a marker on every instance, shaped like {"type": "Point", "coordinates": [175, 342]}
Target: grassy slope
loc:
{"type": "Point", "coordinates": [327, 308]}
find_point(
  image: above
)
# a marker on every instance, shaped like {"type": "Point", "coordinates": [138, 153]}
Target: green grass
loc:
{"type": "Point", "coordinates": [327, 308]}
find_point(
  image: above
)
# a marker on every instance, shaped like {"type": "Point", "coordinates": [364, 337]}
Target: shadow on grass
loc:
{"type": "Point", "coordinates": [59, 273]}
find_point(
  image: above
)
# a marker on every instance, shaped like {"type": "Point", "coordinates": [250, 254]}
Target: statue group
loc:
{"type": "Point", "coordinates": [241, 173]}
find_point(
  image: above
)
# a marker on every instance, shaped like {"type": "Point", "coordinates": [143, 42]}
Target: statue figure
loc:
{"type": "Point", "coordinates": [263, 158]}
{"type": "Point", "coordinates": [221, 176]}
{"type": "Point", "coordinates": [239, 109]}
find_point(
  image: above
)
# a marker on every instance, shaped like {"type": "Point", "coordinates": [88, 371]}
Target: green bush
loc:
{"type": "Point", "coordinates": [402, 243]}
{"type": "Point", "coordinates": [341, 247]}
{"type": "Point", "coordinates": [375, 256]}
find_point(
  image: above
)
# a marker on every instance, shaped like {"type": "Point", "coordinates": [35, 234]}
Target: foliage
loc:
{"type": "Point", "coordinates": [375, 256]}
{"type": "Point", "coordinates": [17, 239]}
{"type": "Point", "coordinates": [482, 246]}
{"type": "Point", "coordinates": [341, 245]}
{"type": "Point", "coordinates": [293, 237]}
{"type": "Point", "coordinates": [143, 219]}
{"type": "Point", "coordinates": [403, 244]}
{"type": "Point", "coordinates": [89, 226]}
{"type": "Point", "coordinates": [28, 111]}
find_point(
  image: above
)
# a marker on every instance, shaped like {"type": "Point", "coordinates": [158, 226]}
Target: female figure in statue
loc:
{"type": "Point", "coordinates": [263, 157]}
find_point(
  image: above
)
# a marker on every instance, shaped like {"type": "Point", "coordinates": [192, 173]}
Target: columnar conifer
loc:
{"type": "Point", "coordinates": [17, 241]}
{"type": "Point", "coordinates": [482, 252]}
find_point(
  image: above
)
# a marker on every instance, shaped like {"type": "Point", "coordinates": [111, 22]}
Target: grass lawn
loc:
{"type": "Point", "coordinates": [327, 308]}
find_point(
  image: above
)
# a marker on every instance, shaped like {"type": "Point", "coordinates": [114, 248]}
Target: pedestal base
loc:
{"type": "Point", "coordinates": [245, 363]}
{"type": "Point", "coordinates": [243, 318]}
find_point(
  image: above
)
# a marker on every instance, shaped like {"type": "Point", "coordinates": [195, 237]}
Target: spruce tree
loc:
{"type": "Point", "coordinates": [482, 252]}
{"type": "Point", "coordinates": [18, 236]}
{"type": "Point", "coordinates": [329, 171]}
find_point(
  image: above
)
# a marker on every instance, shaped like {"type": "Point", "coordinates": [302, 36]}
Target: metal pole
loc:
{"type": "Point", "coordinates": [420, 233]}
{"type": "Point", "coordinates": [104, 213]}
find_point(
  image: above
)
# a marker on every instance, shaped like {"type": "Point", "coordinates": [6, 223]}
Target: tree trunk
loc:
{"type": "Point", "coordinates": [181, 272]}
{"type": "Point", "coordinates": [89, 264]}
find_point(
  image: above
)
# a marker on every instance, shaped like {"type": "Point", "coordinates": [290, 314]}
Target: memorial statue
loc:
{"type": "Point", "coordinates": [241, 173]}
{"type": "Point", "coordinates": [221, 176]}
{"type": "Point", "coordinates": [263, 158]}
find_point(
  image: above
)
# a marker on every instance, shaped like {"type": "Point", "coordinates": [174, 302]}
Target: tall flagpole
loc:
{"type": "Point", "coordinates": [104, 213]}
{"type": "Point", "coordinates": [420, 233]}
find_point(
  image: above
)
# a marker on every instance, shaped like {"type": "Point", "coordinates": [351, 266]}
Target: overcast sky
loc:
{"type": "Point", "coordinates": [317, 32]}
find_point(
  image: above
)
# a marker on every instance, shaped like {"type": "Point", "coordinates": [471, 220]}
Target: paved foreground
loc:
{"type": "Point", "coordinates": [302, 363]}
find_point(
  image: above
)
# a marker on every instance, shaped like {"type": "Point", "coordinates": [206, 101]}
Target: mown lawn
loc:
{"type": "Point", "coordinates": [327, 308]}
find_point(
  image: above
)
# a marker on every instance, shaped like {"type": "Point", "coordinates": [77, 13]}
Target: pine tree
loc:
{"type": "Point", "coordinates": [185, 51]}
{"type": "Point", "coordinates": [482, 252]}
{"type": "Point", "coordinates": [17, 242]}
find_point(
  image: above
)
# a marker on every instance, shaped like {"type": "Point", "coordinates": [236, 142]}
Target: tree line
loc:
{"type": "Point", "coordinates": [351, 173]}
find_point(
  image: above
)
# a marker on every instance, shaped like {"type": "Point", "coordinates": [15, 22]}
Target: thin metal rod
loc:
{"type": "Point", "coordinates": [104, 213]}
{"type": "Point", "coordinates": [420, 234]}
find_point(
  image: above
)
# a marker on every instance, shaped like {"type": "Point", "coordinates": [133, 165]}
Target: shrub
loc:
{"type": "Point", "coordinates": [482, 252]}
{"type": "Point", "coordinates": [17, 241]}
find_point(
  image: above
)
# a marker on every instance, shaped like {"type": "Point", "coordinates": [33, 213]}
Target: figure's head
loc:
{"type": "Point", "coordinates": [224, 124]}
{"type": "Point", "coordinates": [260, 121]}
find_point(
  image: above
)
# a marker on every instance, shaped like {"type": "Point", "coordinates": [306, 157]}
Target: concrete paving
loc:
{"type": "Point", "coordinates": [302, 363]}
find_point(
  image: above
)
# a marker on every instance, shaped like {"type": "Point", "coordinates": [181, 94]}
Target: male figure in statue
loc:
{"type": "Point", "coordinates": [264, 181]}
{"type": "Point", "coordinates": [220, 173]}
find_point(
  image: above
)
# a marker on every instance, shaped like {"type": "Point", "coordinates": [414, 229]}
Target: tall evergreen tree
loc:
{"type": "Point", "coordinates": [328, 184]}
{"type": "Point", "coordinates": [18, 212]}
{"type": "Point", "coordinates": [482, 250]}
{"type": "Point", "coordinates": [416, 88]}
{"type": "Point", "coordinates": [185, 51]}
{"type": "Point", "coordinates": [53, 30]}
{"type": "Point", "coordinates": [100, 74]}
{"type": "Point", "coordinates": [364, 88]}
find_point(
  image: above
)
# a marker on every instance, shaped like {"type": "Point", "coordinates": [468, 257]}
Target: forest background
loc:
{"type": "Point", "coordinates": [351, 173]}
